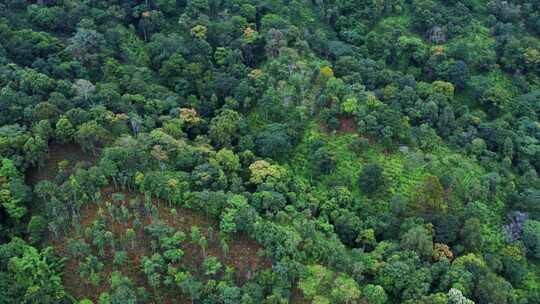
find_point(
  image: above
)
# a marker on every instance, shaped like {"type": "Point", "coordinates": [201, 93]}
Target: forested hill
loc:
{"type": "Point", "coordinates": [270, 151]}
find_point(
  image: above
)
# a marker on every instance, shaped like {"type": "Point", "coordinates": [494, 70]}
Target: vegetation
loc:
{"type": "Point", "coordinates": [198, 151]}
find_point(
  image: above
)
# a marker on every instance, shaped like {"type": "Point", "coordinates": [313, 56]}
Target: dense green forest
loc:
{"type": "Point", "coordinates": [270, 151]}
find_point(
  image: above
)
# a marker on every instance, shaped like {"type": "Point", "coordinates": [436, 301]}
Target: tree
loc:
{"type": "Point", "coordinates": [323, 286]}
{"type": "Point", "coordinates": [131, 237]}
{"type": "Point", "coordinates": [64, 130]}
{"type": "Point", "coordinates": [478, 146]}
{"type": "Point", "coordinates": [78, 248]}
{"type": "Point", "coordinates": [34, 83]}
{"type": "Point", "coordinates": [84, 88]}
{"type": "Point", "coordinates": [374, 294]}
{"type": "Point", "coordinates": [36, 151]}
{"type": "Point", "coordinates": [85, 45]}
{"type": "Point", "coordinates": [37, 229]}
{"type": "Point", "coordinates": [38, 273]}
{"type": "Point", "coordinates": [345, 290]}
{"type": "Point", "coordinates": [531, 238]}
{"type": "Point", "coordinates": [199, 239]}
{"type": "Point", "coordinates": [46, 17]}
{"type": "Point", "coordinates": [226, 159]}
{"type": "Point", "coordinates": [14, 194]}
{"type": "Point", "coordinates": [189, 285]}
{"type": "Point", "coordinates": [26, 45]}
{"type": "Point", "coordinates": [429, 198]}
{"type": "Point", "coordinates": [122, 290]}
{"type": "Point", "coordinates": [173, 69]}
{"type": "Point", "coordinates": [229, 216]}
{"type": "Point", "coordinates": [224, 128]}
{"type": "Point", "coordinates": [458, 74]}
{"type": "Point", "coordinates": [419, 240]}
{"type": "Point", "coordinates": [268, 202]}
{"type": "Point", "coordinates": [151, 22]}
{"type": "Point", "coordinates": [45, 110]}
{"type": "Point", "coordinates": [209, 177]}
{"type": "Point", "coordinates": [12, 205]}
{"type": "Point", "coordinates": [90, 268]}
{"type": "Point", "coordinates": [262, 171]}
{"type": "Point", "coordinates": [456, 297]}
{"type": "Point", "coordinates": [323, 160]}
{"type": "Point", "coordinates": [472, 235]}
{"type": "Point", "coordinates": [403, 277]}
{"type": "Point", "coordinates": [211, 265]}
{"type": "Point", "coordinates": [171, 245]}
{"type": "Point", "coordinates": [153, 268]}
{"type": "Point", "coordinates": [274, 141]}
{"type": "Point", "coordinates": [508, 147]}
{"type": "Point", "coordinates": [199, 31]}
{"type": "Point", "coordinates": [492, 289]}
{"type": "Point", "coordinates": [496, 99]}
{"type": "Point", "coordinates": [90, 135]}
{"type": "Point", "coordinates": [347, 226]}
{"type": "Point", "coordinates": [371, 179]}
{"type": "Point", "coordinates": [275, 40]}
{"type": "Point", "coordinates": [43, 130]}
{"type": "Point", "coordinates": [120, 258]}
{"type": "Point", "coordinates": [104, 298]}
{"type": "Point", "coordinates": [167, 6]}
{"type": "Point", "coordinates": [314, 281]}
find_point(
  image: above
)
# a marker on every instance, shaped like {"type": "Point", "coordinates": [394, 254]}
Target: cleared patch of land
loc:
{"type": "Point", "coordinates": [71, 153]}
{"type": "Point", "coordinates": [242, 254]}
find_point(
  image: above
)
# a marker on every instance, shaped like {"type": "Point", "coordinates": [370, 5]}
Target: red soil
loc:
{"type": "Point", "coordinates": [242, 253]}
{"type": "Point", "coordinates": [57, 153]}
{"type": "Point", "coordinates": [347, 125]}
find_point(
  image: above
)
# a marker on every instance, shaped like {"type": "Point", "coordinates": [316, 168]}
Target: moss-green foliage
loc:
{"type": "Point", "coordinates": [377, 152]}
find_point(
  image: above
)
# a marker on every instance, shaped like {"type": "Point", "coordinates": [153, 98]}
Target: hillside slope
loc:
{"type": "Point", "coordinates": [198, 151]}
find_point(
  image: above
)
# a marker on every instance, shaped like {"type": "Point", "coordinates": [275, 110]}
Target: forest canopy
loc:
{"type": "Point", "coordinates": [270, 151]}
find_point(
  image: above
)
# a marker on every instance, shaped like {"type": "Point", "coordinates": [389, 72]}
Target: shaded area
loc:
{"type": "Point", "coordinates": [73, 153]}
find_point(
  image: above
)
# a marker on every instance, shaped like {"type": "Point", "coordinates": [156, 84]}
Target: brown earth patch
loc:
{"type": "Point", "coordinates": [57, 152]}
{"type": "Point", "coordinates": [347, 125]}
{"type": "Point", "coordinates": [242, 254]}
